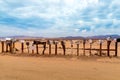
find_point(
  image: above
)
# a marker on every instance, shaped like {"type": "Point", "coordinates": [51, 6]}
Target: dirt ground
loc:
{"type": "Point", "coordinates": [58, 68]}
{"type": "Point", "coordinates": [28, 66]}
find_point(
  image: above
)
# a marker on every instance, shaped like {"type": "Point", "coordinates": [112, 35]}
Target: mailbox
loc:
{"type": "Point", "coordinates": [118, 40]}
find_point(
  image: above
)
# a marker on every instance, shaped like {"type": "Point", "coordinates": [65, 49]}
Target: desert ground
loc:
{"type": "Point", "coordinates": [32, 66]}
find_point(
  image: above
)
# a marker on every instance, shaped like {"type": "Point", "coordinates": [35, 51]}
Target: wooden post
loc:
{"type": "Point", "coordinates": [116, 48]}
{"type": "Point", "coordinates": [77, 49]}
{"type": "Point", "coordinates": [90, 48]}
{"type": "Point", "coordinates": [71, 46]}
{"type": "Point", "coordinates": [11, 47]}
{"type": "Point", "coordinates": [84, 47]}
{"type": "Point", "coordinates": [44, 46]}
{"type": "Point", "coordinates": [64, 49]}
{"type": "Point", "coordinates": [22, 47]}
{"type": "Point", "coordinates": [27, 43]}
{"type": "Point", "coordinates": [49, 49]}
{"type": "Point", "coordinates": [49, 43]}
{"type": "Point", "coordinates": [100, 49]}
{"type": "Point", "coordinates": [55, 48]}
{"type": "Point", "coordinates": [2, 46]}
{"type": "Point", "coordinates": [63, 46]}
{"type": "Point", "coordinates": [90, 41]}
{"type": "Point", "coordinates": [108, 48]}
{"type": "Point", "coordinates": [7, 47]}
{"type": "Point", "coordinates": [37, 49]}
{"type": "Point", "coordinates": [32, 47]}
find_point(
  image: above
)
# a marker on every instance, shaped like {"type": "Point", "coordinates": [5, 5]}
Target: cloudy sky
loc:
{"type": "Point", "coordinates": [55, 18]}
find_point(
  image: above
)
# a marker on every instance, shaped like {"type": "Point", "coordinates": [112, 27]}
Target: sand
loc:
{"type": "Point", "coordinates": [58, 68]}
{"type": "Point", "coordinates": [28, 66]}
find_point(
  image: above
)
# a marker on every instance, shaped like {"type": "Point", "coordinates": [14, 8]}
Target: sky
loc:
{"type": "Point", "coordinates": [59, 18]}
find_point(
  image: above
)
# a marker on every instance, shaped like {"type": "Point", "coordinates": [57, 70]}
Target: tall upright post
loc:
{"type": "Point", "coordinates": [37, 49]}
{"type": "Point", "coordinates": [90, 48]}
{"type": "Point", "coordinates": [90, 41]}
{"type": "Point", "coordinates": [49, 49]}
{"type": "Point", "coordinates": [100, 42]}
{"type": "Point", "coordinates": [84, 47]}
{"type": "Point", "coordinates": [55, 48]}
{"type": "Point", "coordinates": [11, 46]}
{"type": "Point", "coordinates": [77, 43]}
{"type": "Point", "coordinates": [108, 48]}
{"type": "Point", "coordinates": [22, 47]}
{"type": "Point", "coordinates": [77, 49]}
{"type": "Point", "coordinates": [44, 48]}
{"type": "Point", "coordinates": [108, 45]}
{"type": "Point", "coordinates": [49, 43]}
{"type": "Point", "coordinates": [71, 46]}
{"type": "Point", "coordinates": [63, 46]}
{"type": "Point", "coordinates": [7, 46]}
{"type": "Point", "coordinates": [116, 48]}
{"type": "Point", "coordinates": [100, 49]}
{"type": "Point", "coordinates": [2, 43]}
{"type": "Point", "coordinates": [27, 43]}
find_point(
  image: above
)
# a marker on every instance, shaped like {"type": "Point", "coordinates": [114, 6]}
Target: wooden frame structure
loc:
{"type": "Point", "coordinates": [11, 45]}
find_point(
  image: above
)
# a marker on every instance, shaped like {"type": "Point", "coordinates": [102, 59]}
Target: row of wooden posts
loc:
{"type": "Point", "coordinates": [11, 45]}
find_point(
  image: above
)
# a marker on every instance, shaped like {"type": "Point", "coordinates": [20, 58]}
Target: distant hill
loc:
{"type": "Point", "coordinates": [68, 37]}
{"type": "Point", "coordinates": [104, 36]}
{"type": "Point", "coordinates": [73, 37]}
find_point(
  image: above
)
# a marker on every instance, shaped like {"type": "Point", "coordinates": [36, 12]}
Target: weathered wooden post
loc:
{"type": "Point", "coordinates": [63, 46]}
{"type": "Point", "coordinates": [100, 42]}
{"type": "Point", "coordinates": [108, 46]}
{"type": "Point", "coordinates": [44, 48]}
{"type": "Point", "coordinates": [90, 41]}
{"type": "Point", "coordinates": [33, 48]}
{"type": "Point", "coordinates": [84, 41]}
{"type": "Point", "coordinates": [71, 42]}
{"type": "Point", "coordinates": [10, 44]}
{"type": "Point", "coordinates": [2, 45]}
{"type": "Point", "coordinates": [116, 53]}
{"type": "Point", "coordinates": [77, 43]}
{"type": "Point", "coordinates": [7, 47]}
{"type": "Point", "coordinates": [27, 43]}
{"type": "Point", "coordinates": [37, 51]}
{"type": "Point", "coordinates": [13, 45]}
{"type": "Point", "coordinates": [49, 43]}
{"type": "Point", "coordinates": [116, 46]}
{"type": "Point", "coordinates": [22, 45]}
{"type": "Point", "coordinates": [36, 43]}
{"type": "Point", "coordinates": [55, 42]}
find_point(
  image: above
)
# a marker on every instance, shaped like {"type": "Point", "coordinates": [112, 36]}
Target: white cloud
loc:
{"type": "Point", "coordinates": [66, 17]}
{"type": "Point", "coordinates": [84, 31]}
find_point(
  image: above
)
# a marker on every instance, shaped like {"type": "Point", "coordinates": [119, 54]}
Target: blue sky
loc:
{"type": "Point", "coordinates": [57, 18]}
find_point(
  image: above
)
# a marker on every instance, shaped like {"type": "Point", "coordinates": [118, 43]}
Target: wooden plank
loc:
{"type": "Point", "coordinates": [98, 49]}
